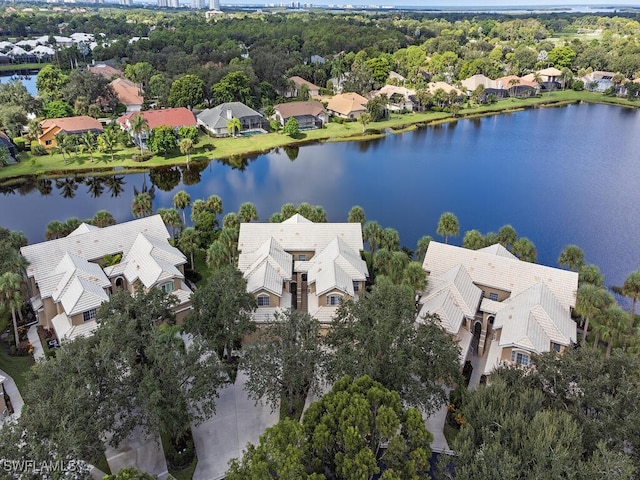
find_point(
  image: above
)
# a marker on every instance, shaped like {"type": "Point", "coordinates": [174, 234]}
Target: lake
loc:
{"type": "Point", "coordinates": [558, 175]}
{"type": "Point", "coordinates": [28, 79]}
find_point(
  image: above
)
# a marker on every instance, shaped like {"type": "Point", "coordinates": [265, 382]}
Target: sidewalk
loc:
{"type": "Point", "coordinates": [12, 390]}
{"type": "Point", "coordinates": [34, 339]}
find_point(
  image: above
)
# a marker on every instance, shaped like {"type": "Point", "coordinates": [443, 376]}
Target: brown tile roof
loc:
{"type": "Point", "coordinates": [127, 92]}
{"type": "Point", "coordinates": [299, 81]}
{"type": "Point", "coordinates": [106, 71]}
{"type": "Point", "coordinates": [71, 124]}
{"type": "Point", "coordinates": [346, 103]}
{"type": "Point", "coordinates": [523, 81]}
{"type": "Point", "coordinates": [173, 117]}
{"type": "Point", "coordinates": [298, 109]}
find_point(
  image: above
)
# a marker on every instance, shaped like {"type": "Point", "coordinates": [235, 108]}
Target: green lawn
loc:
{"type": "Point", "coordinates": [16, 367]}
{"type": "Point", "coordinates": [21, 66]}
{"type": "Point", "coordinates": [227, 148]}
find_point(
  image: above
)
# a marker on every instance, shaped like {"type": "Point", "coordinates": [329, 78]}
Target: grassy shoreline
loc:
{"type": "Point", "coordinates": [224, 149]}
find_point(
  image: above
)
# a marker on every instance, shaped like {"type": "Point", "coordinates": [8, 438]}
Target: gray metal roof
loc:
{"type": "Point", "coordinates": [217, 117]}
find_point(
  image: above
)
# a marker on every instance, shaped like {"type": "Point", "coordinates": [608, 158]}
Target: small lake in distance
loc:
{"type": "Point", "coordinates": [28, 80]}
{"type": "Point", "coordinates": [558, 175]}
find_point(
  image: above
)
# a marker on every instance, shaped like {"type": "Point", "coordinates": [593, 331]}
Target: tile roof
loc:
{"type": "Point", "coordinates": [71, 125]}
{"type": "Point", "coordinates": [299, 81]}
{"type": "Point", "coordinates": [445, 306]}
{"type": "Point", "coordinates": [497, 249]}
{"type": "Point", "coordinates": [299, 236]}
{"type": "Point", "coordinates": [527, 81]}
{"type": "Point", "coordinates": [299, 109]}
{"type": "Point", "coordinates": [151, 261]}
{"type": "Point", "coordinates": [66, 331]}
{"type": "Point", "coordinates": [475, 81]}
{"type": "Point", "coordinates": [390, 90]}
{"type": "Point", "coordinates": [433, 86]}
{"type": "Point", "coordinates": [82, 295]}
{"type": "Point", "coordinates": [533, 319]}
{"type": "Point", "coordinates": [550, 72]}
{"type": "Point", "coordinates": [346, 103]}
{"type": "Point", "coordinates": [173, 117]}
{"type": "Point", "coordinates": [218, 116]}
{"type": "Point", "coordinates": [106, 71]}
{"type": "Point", "coordinates": [127, 92]}
{"type": "Point", "coordinates": [267, 267]}
{"type": "Point", "coordinates": [494, 270]}
{"type": "Point", "coordinates": [336, 267]}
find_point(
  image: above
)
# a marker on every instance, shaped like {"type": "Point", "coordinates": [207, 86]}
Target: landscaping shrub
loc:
{"type": "Point", "coordinates": [142, 158]}
{"type": "Point", "coordinates": [20, 143]}
{"type": "Point", "coordinates": [180, 451]}
{"type": "Point", "coordinates": [37, 149]}
{"type": "Point", "coordinates": [577, 85]}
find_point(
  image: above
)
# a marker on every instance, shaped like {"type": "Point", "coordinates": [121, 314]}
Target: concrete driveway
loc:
{"type": "Point", "coordinates": [224, 436]}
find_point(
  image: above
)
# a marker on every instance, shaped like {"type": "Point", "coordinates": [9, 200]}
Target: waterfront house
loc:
{"type": "Point", "coordinates": [128, 94]}
{"type": "Point", "coordinates": [69, 125]}
{"type": "Point", "coordinates": [518, 86]}
{"type": "Point", "coordinates": [347, 105]}
{"type": "Point", "coordinates": [309, 114]}
{"type": "Point", "coordinates": [302, 265]}
{"type": "Point", "coordinates": [598, 81]}
{"type": "Point", "coordinates": [491, 87]}
{"type": "Point", "coordinates": [70, 277]}
{"type": "Point", "coordinates": [400, 98]}
{"type": "Point", "coordinates": [500, 309]}
{"type": "Point", "coordinates": [215, 119]}
{"type": "Point", "coordinates": [107, 71]}
{"type": "Point", "coordinates": [172, 117]}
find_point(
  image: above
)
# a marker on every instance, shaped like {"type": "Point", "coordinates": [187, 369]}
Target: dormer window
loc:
{"type": "Point", "coordinates": [334, 299]}
{"type": "Point", "coordinates": [356, 286]}
{"type": "Point", "coordinates": [89, 315]}
{"type": "Point", "coordinates": [493, 296]}
{"type": "Point", "coordinates": [167, 287]}
{"type": "Point", "coordinates": [302, 258]}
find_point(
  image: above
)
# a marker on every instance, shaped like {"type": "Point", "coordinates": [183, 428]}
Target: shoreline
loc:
{"type": "Point", "coordinates": [241, 147]}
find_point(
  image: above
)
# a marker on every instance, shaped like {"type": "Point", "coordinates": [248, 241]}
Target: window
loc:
{"type": "Point", "coordinates": [47, 142]}
{"type": "Point", "coordinates": [520, 358]}
{"type": "Point", "coordinates": [483, 294]}
{"type": "Point", "coordinates": [263, 300]}
{"type": "Point", "coordinates": [493, 296]}
{"type": "Point", "coordinates": [304, 277]}
{"type": "Point", "coordinates": [334, 299]}
{"type": "Point", "coordinates": [491, 319]}
{"type": "Point", "coordinates": [555, 346]}
{"type": "Point", "coordinates": [302, 258]}
{"type": "Point", "coordinates": [356, 286]}
{"type": "Point", "coordinates": [89, 315]}
{"type": "Point", "coordinates": [167, 287]}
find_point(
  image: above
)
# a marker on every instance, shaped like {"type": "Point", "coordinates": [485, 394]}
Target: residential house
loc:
{"type": "Point", "coordinates": [309, 114]}
{"type": "Point", "coordinates": [396, 78]}
{"type": "Point", "coordinates": [296, 84]}
{"type": "Point", "coordinates": [347, 105]}
{"type": "Point", "coordinates": [70, 277]}
{"type": "Point", "coordinates": [128, 94]}
{"type": "Point", "coordinates": [598, 81]}
{"type": "Point", "coordinates": [432, 87]}
{"type": "Point", "coordinates": [172, 117]}
{"type": "Point", "coordinates": [400, 98]}
{"type": "Point", "coordinates": [491, 87]}
{"type": "Point", "coordinates": [107, 71]}
{"type": "Point", "coordinates": [302, 265]}
{"type": "Point", "coordinates": [500, 309]}
{"type": "Point", "coordinates": [518, 87]}
{"type": "Point", "coordinates": [549, 78]}
{"type": "Point", "coordinates": [215, 119]}
{"type": "Point", "coordinates": [69, 125]}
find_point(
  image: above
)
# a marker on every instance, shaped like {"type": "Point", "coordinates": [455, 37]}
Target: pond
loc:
{"type": "Point", "coordinates": [558, 175]}
{"type": "Point", "coordinates": [27, 78]}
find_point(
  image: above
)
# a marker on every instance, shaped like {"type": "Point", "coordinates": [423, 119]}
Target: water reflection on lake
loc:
{"type": "Point", "coordinates": [559, 176]}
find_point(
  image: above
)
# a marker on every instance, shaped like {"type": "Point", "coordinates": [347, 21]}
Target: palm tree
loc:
{"type": "Point", "coordinates": [448, 226]}
{"type": "Point", "coordinates": [507, 236]}
{"type": "Point", "coordinates": [12, 295]}
{"type": "Point", "coordinates": [185, 145]}
{"type": "Point", "coordinates": [89, 143]}
{"type": "Point", "coordinates": [423, 245]}
{"type": "Point", "coordinates": [142, 205]}
{"type": "Point", "coordinates": [372, 233]}
{"type": "Point", "coordinates": [63, 144]}
{"type": "Point", "coordinates": [171, 218]}
{"type": "Point", "coordinates": [247, 212]}
{"type": "Point", "coordinates": [189, 242]}
{"type": "Point", "coordinates": [590, 301]}
{"type": "Point", "coordinates": [611, 326]}
{"type": "Point", "coordinates": [572, 257]}
{"type": "Point", "coordinates": [565, 76]}
{"type": "Point", "coordinates": [356, 215]}
{"type": "Point", "coordinates": [234, 125]}
{"type": "Point", "coordinates": [139, 125]}
{"type": "Point", "coordinates": [34, 129]}
{"type": "Point", "coordinates": [108, 141]}
{"type": "Point", "coordinates": [181, 201]}
{"type": "Point", "coordinates": [524, 249]}
{"type": "Point", "coordinates": [103, 218]}
{"type": "Point", "coordinates": [631, 289]}
{"type": "Point", "coordinates": [55, 229]}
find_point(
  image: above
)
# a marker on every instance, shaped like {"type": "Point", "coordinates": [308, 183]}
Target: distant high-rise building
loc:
{"type": "Point", "coordinates": [198, 4]}
{"type": "Point", "coordinates": [163, 3]}
{"type": "Point", "coordinates": [174, 3]}
{"type": "Point", "coordinates": [127, 3]}
{"type": "Point", "coordinates": [214, 4]}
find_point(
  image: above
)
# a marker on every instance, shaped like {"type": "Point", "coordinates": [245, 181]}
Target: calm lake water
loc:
{"type": "Point", "coordinates": [558, 175]}
{"type": "Point", "coordinates": [29, 81]}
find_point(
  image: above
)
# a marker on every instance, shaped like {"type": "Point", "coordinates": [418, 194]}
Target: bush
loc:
{"type": "Point", "coordinates": [142, 158]}
{"type": "Point", "coordinates": [20, 143]}
{"type": "Point", "coordinates": [577, 85]}
{"type": "Point", "coordinates": [180, 450]}
{"type": "Point", "coordinates": [37, 149]}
